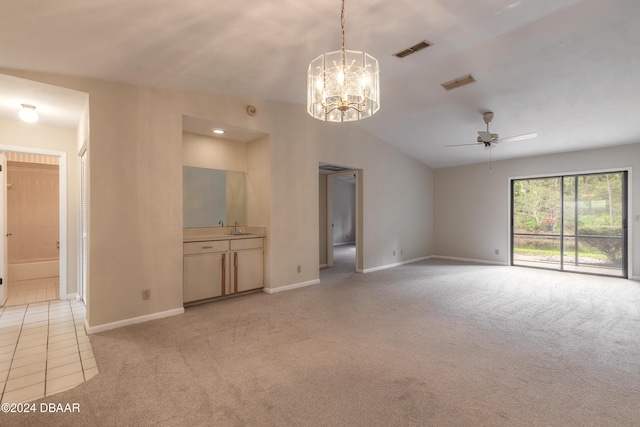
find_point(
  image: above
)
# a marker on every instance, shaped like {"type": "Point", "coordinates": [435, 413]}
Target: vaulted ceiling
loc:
{"type": "Point", "coordinates": [566, 69]}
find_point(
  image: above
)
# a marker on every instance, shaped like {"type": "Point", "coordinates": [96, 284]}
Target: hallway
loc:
{"type": "Point", "coordinates": [33, 291]}
{"type": "Point", "coordinates": [44, 350]}
{"type": "Point", "coordinates": [344, 264]}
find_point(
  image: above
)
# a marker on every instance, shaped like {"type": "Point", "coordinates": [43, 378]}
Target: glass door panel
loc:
{"type": "Point", "coordinates": [599, 222]}
{"type": "Point", "coordinates": [571, 223]}
{"type": "Point", "coordinates": [535, 222]}
{"type": "Point", "coordinates": [569, 249]}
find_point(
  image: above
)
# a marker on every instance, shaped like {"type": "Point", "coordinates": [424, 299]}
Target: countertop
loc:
{"type": "Point", "coordinates": [206, 238]}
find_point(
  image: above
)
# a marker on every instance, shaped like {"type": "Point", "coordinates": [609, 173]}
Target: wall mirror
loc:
{"type": "Point", "coordinates": [212, 197]}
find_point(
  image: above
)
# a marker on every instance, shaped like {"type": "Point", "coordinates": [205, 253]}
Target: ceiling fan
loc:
{"type": "Point", "coordinates": [489, 139]}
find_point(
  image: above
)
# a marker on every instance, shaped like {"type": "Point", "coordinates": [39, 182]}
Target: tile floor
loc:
{"type": "Point", "coordinates": [44, 350]}
{"type": "Point", "coordinates": [34, 290]}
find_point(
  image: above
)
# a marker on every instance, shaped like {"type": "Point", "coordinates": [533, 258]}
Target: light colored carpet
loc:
{"type": "Point", "coordinates": [435, 343]}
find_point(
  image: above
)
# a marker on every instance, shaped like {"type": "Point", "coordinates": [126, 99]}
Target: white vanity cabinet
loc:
{"type": "Point", "coordinates": [222, 267]}
{"type": "Point", "coordinates": [247, 256]}
{"type": "Point", "coordinates": [205, 269]}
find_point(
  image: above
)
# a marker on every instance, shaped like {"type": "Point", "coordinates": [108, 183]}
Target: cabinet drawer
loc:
{"type": "Point", "coordinates": [207, 246]}
{"type": "Point", "coordinates": [240, 244]}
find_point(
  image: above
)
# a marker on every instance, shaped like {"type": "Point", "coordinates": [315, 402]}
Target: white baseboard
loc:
{"type": "Point", "coordinates": [395, 264]}
{"type": "Point", "coordinates": [324, 265]}
{"type": "Point", "coordinates": [73, 296]}
{"type": "Point", "coordinates": [635, 278]}
{"type": "Point", "coordinates": [475, 261]}
{"type": "Point", "coordinates": [132, 321]}
{"type": "Point", "coordinates": [344, 243]}
{"type": "Point", "coordinates": [290, 287]}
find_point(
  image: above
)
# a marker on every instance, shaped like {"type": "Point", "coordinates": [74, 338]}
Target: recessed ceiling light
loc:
{"type": "Point", "coordinates": [28, 113]}
{"type": "Point", "coordinates": [218, 131]}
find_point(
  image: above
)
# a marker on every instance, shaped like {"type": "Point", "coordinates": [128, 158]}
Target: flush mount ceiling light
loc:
{"type": "Point", "coordinates": [28, 113]}
{"type": "Point", "coordinates": [217, 131]}
{"type": "Point", "coordinates": [343, 85]}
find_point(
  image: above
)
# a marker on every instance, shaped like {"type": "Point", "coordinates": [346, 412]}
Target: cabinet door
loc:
{"type": "Point", "coordinates": [248, 270]}
{"type": "Point", "coordinates": [204, 275]}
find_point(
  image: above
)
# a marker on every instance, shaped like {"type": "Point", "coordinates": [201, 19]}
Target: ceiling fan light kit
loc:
{"type": "Point", "coordinates": [488, 139]}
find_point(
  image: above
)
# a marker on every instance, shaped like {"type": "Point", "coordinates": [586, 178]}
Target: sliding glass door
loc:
{"type": "Point", "coordinates": [571, 223]}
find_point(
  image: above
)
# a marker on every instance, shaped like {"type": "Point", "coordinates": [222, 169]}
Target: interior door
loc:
{"type": "Point", "coordinates": [4, 256]}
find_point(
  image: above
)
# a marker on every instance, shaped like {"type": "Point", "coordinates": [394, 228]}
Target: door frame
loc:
{"type": "Point", "coordinates": [359, 224]}
{"type": "Point", "coordinates": [4, 264]}
{"type": "Point", "coordinates": [631, 274]}
{"type": "Point", "coordinates": [62, 205]}
{"type": "Point", "coordinates": [83, 217]}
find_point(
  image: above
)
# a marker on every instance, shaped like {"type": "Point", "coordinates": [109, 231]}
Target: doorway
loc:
{"type": "Point", "coordinates": [574, 223]}
{"type": "Point", "coordinates": [34, 272]}
{"type": "Point", "coordinates": [340, 217]}
{"type": "Point", "coordinates": [63, 120]}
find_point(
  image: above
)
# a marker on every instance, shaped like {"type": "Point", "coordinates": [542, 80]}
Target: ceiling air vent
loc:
{"type": "Point", "coordinates": [332, 168]}
{"type": "Point", "coordinates": [460, 81]}
{"type": "Point", "coordinates": [413, 49]}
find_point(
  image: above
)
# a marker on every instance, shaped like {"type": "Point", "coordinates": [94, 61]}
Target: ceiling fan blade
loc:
{"type": "Point", "coordinates": [485, 136]}
{"type": "Point", "coordinates": [461, 145]}
{"type": "Point", "coordinates": [518, 138]}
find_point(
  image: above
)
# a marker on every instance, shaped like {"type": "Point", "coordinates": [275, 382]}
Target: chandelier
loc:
{"type": "Point", "coordinates": [343, 85]}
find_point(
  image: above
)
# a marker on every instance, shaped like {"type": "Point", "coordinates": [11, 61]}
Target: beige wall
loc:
{"type": "Point", "coordinates": [136, 191]}
{"type": "Point", "coordinates": [471, 202]}
{"type": "Point", "coordinates": [26, 135]}
{"type": "Point", "coordinates": [250, 157]}
{"type": "Point", "coordinates": [33, 211]}
{"type": "Point", "coordinates": [222, 154]}
{"type": "Point", "coordinates": [259, 183]}
{"type": "Point", "coordinates": [213, 153]}
{"type": "Point", "coordinates": [259, 193]}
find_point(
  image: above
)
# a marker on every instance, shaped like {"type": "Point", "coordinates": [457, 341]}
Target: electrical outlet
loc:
{"type": "Point", "coordinates": [637, 218]}
{"type": "Point", "coordinates": [146, 294]}
{"type": "Point", "coordinates": [394, 252]}
{"type": "Point", "coordinates": [497, 251]}
{"type": "Point", "coordinates": [299, 269]}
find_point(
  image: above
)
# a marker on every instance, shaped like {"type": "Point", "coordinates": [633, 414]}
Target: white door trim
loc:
{"type": "Point", "coordinates": [62, 171]}
{"type": "Point", "coordinates": [359, 225]}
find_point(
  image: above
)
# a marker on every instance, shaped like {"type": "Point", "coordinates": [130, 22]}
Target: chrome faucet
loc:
{"type": "Point", "coordinates": [235, 229]}
{"type": "Point", "coordinates": [220, 223]}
